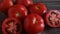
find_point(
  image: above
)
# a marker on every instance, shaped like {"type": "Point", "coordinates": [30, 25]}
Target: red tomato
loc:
{"type": "Point", "coordinates": [18, 11]}
{"type": "Point", "coordinates": [5, 4]}
{"type": "Point", "coordinates": [38, 8]}
{"type": "Point", "coordinates": [33, 23]}
{"type": "Point", "coordinates": [19, 1]}
{"type": "Point", "coordinates": [52, 18]}
{"type": "Point", "coordinates": [11, 26]}
{"type": "Point", "coordinates": [25, 2]}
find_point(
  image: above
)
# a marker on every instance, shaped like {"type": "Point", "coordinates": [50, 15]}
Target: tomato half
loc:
{"type": "Point", "coordinates": [38, 8]}
{"type": "Point", "coordinates": [18, 11]}
{"type": "Point", "coordinates": [11, 26]}
{"type": "Point", "coordinates": [5, 4]}
{"type": "Point", "coordinates": [33, 23]}
{"type": "Point", "coordinates": [52, 18]}
{"type": "Point", "coordinates": [25, 2]}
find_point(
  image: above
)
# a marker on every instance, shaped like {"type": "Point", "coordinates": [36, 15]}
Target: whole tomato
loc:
{"type": "Point", "coordinates": [52, 18]}
{"type": "Point", "coordinates": [38, 8]}
{"type": "Point", "coordinates": [25, 2]}
{"type": "Point", "coordinates": [11, 26]}
{"type": "Point", "coordinates": [33, 23]}
{"type": "Point", "coordinates": [18, 11]}
{"type": "Point", "coordinates": [5, 4]}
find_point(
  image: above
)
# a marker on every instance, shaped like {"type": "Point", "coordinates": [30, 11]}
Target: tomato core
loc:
{"type": "Point", "coordinates": [12, 28]}
{"type": "Point", "coordinates": [54, 19]}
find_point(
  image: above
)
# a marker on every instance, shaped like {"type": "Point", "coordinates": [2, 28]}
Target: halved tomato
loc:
{"type": "Point", "coordinates": [52, 18]}
{"type": "Point", "coordinates": [11, 26]}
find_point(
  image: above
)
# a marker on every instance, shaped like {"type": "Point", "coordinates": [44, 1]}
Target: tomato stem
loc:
{"type": "Point", "coordinates": [37, 7]}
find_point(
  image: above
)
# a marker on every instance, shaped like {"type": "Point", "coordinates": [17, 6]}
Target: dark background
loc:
{"type": "Point", "coordinates": [50, 4]}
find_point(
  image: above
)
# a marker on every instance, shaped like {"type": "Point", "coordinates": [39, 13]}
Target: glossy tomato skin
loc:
{"type": "Point", "coordinates": [46, 16]}
{"type": "Point", "coordinates": [38, 8]}
{"type": "Point", "coordinates": [15, 21]}
{"type": "Point", "coordinates": [25, 2]}
{"type": "Point", "coordinates": [5, 4]}
{"type": "Point", "coordinates": [33, 23]}
{"type": "Point", "coordinates": [18, 11]}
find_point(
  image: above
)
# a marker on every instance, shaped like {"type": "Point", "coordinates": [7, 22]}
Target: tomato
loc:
{"type": "Point", "coordinates": [5, 4]}
{"type": "Point", "coordinates": [38, 8]}
{"type": "Point", "coordinates": [18, 11]}
{"type": "Point", "coordinates": [25, 2]}
{"type": "Point", "coordinates": [52, 18]}
{"type": "Point", "coordinates": [19, 1]}
{"type": "Point", "coordinates": [11, 26]}
{"type": "Point", "coordinates": [33, 23]}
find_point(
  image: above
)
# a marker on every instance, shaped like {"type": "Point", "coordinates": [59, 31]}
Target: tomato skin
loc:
{"type": "Point", "coordinates": [5, 4]}
{"type": "Point", "coordinates": [47, 15]}
{"type": "Point", "coordinates": [38, 8]}
{"type": "Point", "coordinates": [19, 1]}
{"type": "Point", "coordinates": [30, 26]}
{"type": "Point", "coordinates": [4, 25]}
{"type": "Point", "coordinates": [25, 2]}
{"type": "Point", "coordinates": [18, 9]}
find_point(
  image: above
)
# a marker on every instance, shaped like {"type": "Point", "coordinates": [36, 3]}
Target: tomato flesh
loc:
{"type": "Point", "coordinates": [10, 26]}
{"type": "Point", "coordinates": [53, 18]}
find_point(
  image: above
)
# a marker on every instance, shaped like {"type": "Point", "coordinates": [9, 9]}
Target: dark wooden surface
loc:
{"type": "Point", "coordinates": [51, 4]}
